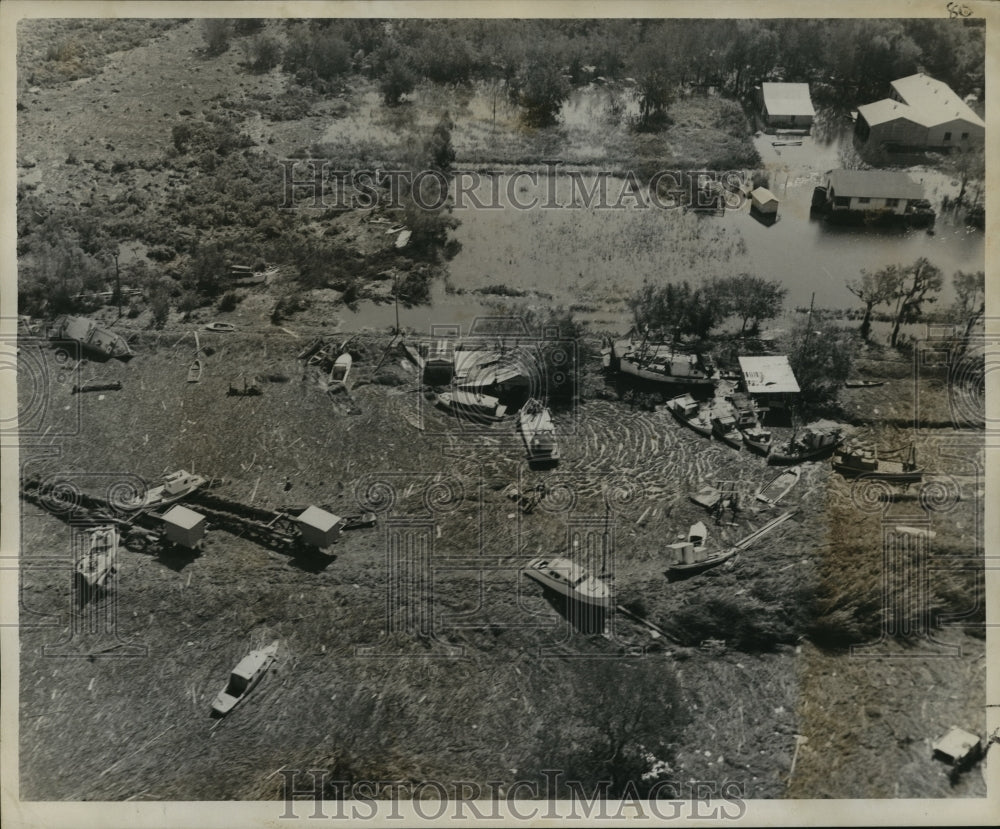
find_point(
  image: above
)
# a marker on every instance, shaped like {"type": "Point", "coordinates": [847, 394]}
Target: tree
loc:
{"type": "Point", "coordinates": [397, 80]}
{"type": "Point", "coordinates": [970, 288]}
{"type": "Point", "coordinates": [968, 165]}
{"type": "Point", "coordinates": [439, 149]}
{"type": "Point", "coordinates": [916, 284]}
{"type": "Point", "coordinates": [655, 78]}
{"type": "Point", "coordinates": [677, 307]}
{"type": "Point", "coordinates": [216, 34]}
{"type": "Point", "coordinates": [752, 298]}
{"type": "Point", "coordinates": [820, 354]}
{"type": "Point", "coordinates": [262, 52]}
{"type": "Point", "coordinates": [540, 89]}
{"type": "Point", "coordinates": [874, 289]}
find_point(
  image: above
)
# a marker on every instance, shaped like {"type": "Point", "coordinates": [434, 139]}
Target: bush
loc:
{"type": "Point", "coordinates": [216, 33]}
{"type": "Point", "coordinates": [263, 53]}
{"type": "Point", "coordinates": [229, 301]}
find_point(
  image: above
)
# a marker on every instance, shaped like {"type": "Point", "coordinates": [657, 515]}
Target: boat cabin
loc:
{"type": "Point", "coordinates": [180, 481]}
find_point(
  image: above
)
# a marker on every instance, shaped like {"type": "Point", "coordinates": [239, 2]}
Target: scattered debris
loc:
{"type": "Point", "coordinates": [115, 385]}
{"type": "Point", "coordinates": [251, 390]}
{"type": "Point", "coordinates": [99, 563]}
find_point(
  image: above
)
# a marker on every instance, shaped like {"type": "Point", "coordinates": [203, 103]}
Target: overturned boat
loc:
{"type": "Point", "coordinates": [89, 336]}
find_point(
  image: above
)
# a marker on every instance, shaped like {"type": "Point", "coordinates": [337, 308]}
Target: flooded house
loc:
{"type": "Point", "coordinates": [921, 113]}
{"type": "Point", "coordinates": [870, 196]}
{"type": "Point", "coordinates": [786, 106]}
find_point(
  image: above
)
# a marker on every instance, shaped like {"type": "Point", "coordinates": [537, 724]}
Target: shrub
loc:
{"type": "Point", "coordinates": [229, 301]}
{"type": "Point", "coordinates": [263, 53]}
{"type": "Point", "coordinates": [216, 33]}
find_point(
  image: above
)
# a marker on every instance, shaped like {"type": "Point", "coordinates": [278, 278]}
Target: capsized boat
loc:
{"type": "Point", "coordinates": [99, 562]}
{"type": "Point", "coordinates": [662, 363]}
{"type": "Point", "coordinates": [472, 406]}
{"type": "Point", "coordinates": [174, 487]}
{"type": "Point", "coordinates": [535, 424]}
{"type": "Point", "coordinates": [569, 579]}
{"type": "Point", "coordinates": [778, 487]}
{"type": "Point", "coordinates": [89, 336]}
{"type": "Point", "coordinates": [244, 678]}
{"type": "Point", "coordinates": [860, 460]}
{"type": "Point", "coordinates": [688, 411]}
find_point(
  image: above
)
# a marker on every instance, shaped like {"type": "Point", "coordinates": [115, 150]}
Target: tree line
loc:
{"type": "Point", "coordinates": [536, 63]}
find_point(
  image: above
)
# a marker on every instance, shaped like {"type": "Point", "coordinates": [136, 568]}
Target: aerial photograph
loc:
{"type": "Point", "coordinates": [432, 410]}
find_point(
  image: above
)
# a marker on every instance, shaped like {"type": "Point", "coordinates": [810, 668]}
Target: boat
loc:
{"type": "Point", "coordinates": [472, 406]}
{"type": "Point", "coordinates": [220, 327]}
{"type": "Point", "coordinates": [818, 440]}
{"type": "Point", "coordinates": [687, 411]}
{"type": "Point", "coordinates": [758, 439]}
{"type": "Point", "coordinates": [724, 428]}
{"type": "Point", "coordinates": [858, 460]}
{"type": "Point", "coordinates": [244, 678]}
{"type": "Point", "coordinates": [535, 424]}
{"type": "Point", "coordinates": [194, 372]}
{"type": "Point", "coordinates": [777, 488]}
{"type": "Point", "coordinates": [98, 563]}
{"type": "Point", "coordinates": [863, 384]}
{"type": "Point", "coordinates": [692, 556]}
{"type": "Point", "coordinates": [569, 579]}
{"type": "Point", "coordinates": [707, 496]}
{"type": "Point", "coordinates": [661, 363]}
{"type": "Point", "coordinates": [174, 487]}
{"type": "Point", "coordinates": [89, 336]}
{"type": "Point", "coordinates": [341, 368]}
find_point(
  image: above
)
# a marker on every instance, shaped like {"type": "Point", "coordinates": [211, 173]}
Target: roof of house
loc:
{"type": "Point", "coordinates": [787, 98]}
{"type": "Point", "coordinates": [879, 184]}
{"type": "Point", "coordinates": [181, 516]}
{"type": "Point", "coordinates": [768, 375]}
{"type": "Point", "coordinates": [936, 101]}
{"type": "Point", "coordinates": [926, 101]}
{"type": "Point", "coordinates": [763, 196]}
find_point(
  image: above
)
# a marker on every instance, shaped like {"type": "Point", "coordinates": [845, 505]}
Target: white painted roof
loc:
{"type": "Point", "coordinates": [787, 99]}
{"type": "Point", "coordinates": [768, 375]}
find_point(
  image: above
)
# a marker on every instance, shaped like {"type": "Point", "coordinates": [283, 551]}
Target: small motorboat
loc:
{"type": "Point", "coordinates": [220, 327]}
{"type": "Point", "coordinates": [341, 368]}
{"type": "Point", "coordinates": [569, 579]}
{"type": "Point", "coordinates": [758, 439]}
{"type": "Point", "coordinates": [695, 560]}
{"type": "Point", "coordinates": [244, 678]}
{"type": "Point", "coordinates": [174, 487]}
{"type": "Point", "coordinates": [863, 384]}
{"type": "Point", "coordinates": [194, 372]}
{"type": "Point", "coordinates": [695, 544]}
{"type": "Point", "coordinates": [535, 424]}
{"type": "Point", "coordinates": [777, 488]}
{"type": "Point", "coordinates": [472, 406]}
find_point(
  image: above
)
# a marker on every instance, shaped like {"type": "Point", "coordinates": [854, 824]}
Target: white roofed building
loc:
{"type": "Point", "coordinates": [786, 105]}
{"type": "Point", "coordinates": [920, 113]}
{"type": "Point", "coordinates": [769, 379]}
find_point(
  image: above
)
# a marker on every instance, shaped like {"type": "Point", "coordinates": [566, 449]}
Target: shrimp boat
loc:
{"type": "Point", "coordinates": [569, 579]}
{"type": "Point", "coordinates": [91, 337]}
{"type": "Point", "coordinates": [174, 487]}
{"type": "Point", "coordinates": [858, 460]}
{"type": "Point", "coordinates": [778, 487]}
{"type": "Point", "coordinates": [724, 428]}
{"type": "Point", "coordinates": [472, 406]}
{"type": "Point", "coordinates": [244, 678]}
{"type": "Point", "coordinates": [98, 563]}
{"type": "Point", "coordinates": [687, 410]}
{"type": "Point", "coordinates": [817, 440]}
{"type": "Point", "coordinates": [757, 439]}
{"type": "Point", "coordinates": [535, 424]}
{"type": "Point", "coordinates": [661, 363]}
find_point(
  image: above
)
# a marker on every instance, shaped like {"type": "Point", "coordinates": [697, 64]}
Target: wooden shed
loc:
{"type": "Point", "coordinates": [319, 528]}
{"type": "Point", "coordinates": [764, 201]}
{"type": "Point", "coordinates": [184, 526]}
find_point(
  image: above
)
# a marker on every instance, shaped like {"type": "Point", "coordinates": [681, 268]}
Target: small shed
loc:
{"type": "Point", "coordinates": [319, 528]}
{"type": "Point", "coordinates": [958, 747]}
{"type": "Point", "coordinates": [764, 201]}
{"type": "Point", "coordinates": [184, 526]}
{"type": "Point", "coordinates": [768, 379]}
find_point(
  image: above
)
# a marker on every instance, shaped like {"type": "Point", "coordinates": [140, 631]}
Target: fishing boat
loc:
{"type": "Point", "coordinates": [863, 384]}
{"type": "Point", "coordinates": [818, 440]}
{"type": "Point", "coordinates": [174, 487]}
{"type": "Point", "coordinates": [724, 428]}
{"type": "Point", "coordinates": [341, 368]}
{"type": "Point", "coordinates": [778, 487]}
{"type": "Point", "coordinates": [569, 579]}
{"type": "Point", "coordinates": [758, 439]}
{"type": "Point", "coordinates": [687, 411]}
{"type": "Point", "coordinates": [98, 563]}
{"type": "Point", "coordinates": [194, 372]}
{"type": "Point", "coordinates": [220, 327]}
{"type": "Point", "coordinates": [472, 406]}
{"type": "Point", "coordinates": [661, 363]}
{"type": "Point", "coordinates": [859, 460]}
{"type": "Point", "coordinates": [535, 424]}
{"type": "Point", "coordinates": [697, 533]}
{"type": "Point", "coordinates": [244, 678]}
